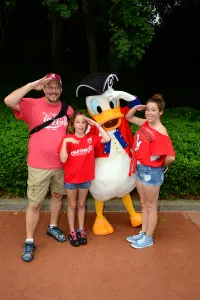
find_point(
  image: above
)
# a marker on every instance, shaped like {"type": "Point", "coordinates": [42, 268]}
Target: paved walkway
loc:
{"type": "Point", "coordinates": [107, 268]}
{"type": "Point", "coordinates": [20, 204]}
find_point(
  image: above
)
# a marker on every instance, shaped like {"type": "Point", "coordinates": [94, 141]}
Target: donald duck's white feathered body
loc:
{"type": "Point", "coordinates": [112, 173]}
{"type": "Point", "coordinates": [113, 159]}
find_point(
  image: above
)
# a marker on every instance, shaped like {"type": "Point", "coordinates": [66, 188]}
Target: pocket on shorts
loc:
{"type": "Point", "coordinates": [36, 188]}
{"type": "Point", "coordinates": [35, 194]}
{"type": "Point", "coordinates": [57, 182]}
{"type": "Point", "coordinates": [146, 174]}
{"type": "Point", "coordinates": [151, 176]}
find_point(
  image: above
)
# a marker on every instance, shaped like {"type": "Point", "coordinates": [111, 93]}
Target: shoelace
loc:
{"type": "Point", "coordinates": [142, 240]}
{"type": "Point", "coordinates": [58, 231]}
{"type": "Point", "coordinates": [29, 248]}
{"type": "Point", "coordinates": [73, 234]}
{"type": "Point", "coordinates": [145, 240]}
{"type": "Point", "coordinates": [83, 233]}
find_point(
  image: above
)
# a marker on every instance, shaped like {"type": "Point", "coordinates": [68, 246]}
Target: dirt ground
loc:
{"type": "Point", "coordinates": [108, 268]}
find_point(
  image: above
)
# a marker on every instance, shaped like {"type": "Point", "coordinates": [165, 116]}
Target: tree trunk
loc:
{"type": "Point", "coordinates": [113, 61]}
{"type": "Point", "coordinates": [56, 42]}
{"type": "Point", "coordinates": [90, 37]}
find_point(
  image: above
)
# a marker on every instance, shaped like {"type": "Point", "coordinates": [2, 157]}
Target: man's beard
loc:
{"type": "Point", "coordinates": [56, 101]}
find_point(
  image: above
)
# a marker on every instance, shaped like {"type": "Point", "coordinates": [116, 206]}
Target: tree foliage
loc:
{"type": "Point", "coordinates": [127, 25]}
{"type": "Point", "coordinates": [131, 28]}
{"type": "Point", "coordinates": [162, 9]}
{"type": "Point", "coordinates": [65, 8]}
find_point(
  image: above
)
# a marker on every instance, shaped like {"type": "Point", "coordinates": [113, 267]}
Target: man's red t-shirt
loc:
{"type": "Point", "coordinates": [43, 145]}
{"type": "Point", "coordinates": [79, 166]}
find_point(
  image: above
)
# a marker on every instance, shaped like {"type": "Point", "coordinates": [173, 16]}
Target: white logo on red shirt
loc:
{"type": "Point", "coordinates": [56, 123]}
{"type": "Point", "coordinates": [82, 151]}
{"type": "Point", "coordinates": [138, 142]}
{"type": "Point", "coordinates": [89, 140]}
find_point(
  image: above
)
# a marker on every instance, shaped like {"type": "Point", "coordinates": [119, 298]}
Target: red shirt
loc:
{"type": "Point", "coordinates": [43, 145]}
{"type": "Point", "coordinates": [149, 142]}
{"type": "Point", "coordinates": [79, 166]}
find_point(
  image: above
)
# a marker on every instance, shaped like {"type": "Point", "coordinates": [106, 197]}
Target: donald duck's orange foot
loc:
{"type": "Point", "coordinates": [136, 219]}
{"type": "Point", "coordinates": [102, 227]}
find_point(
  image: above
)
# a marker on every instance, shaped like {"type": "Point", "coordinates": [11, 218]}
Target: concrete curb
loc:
{"type": "Point", "coordinates": [20, 204]}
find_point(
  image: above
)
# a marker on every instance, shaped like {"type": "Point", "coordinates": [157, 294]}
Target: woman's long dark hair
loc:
{"type": "Point", "coordinates": [159, 100]}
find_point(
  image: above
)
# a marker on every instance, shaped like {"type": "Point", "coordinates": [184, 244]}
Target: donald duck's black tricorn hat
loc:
{"type": "Point", "coordinates": [96, 84]}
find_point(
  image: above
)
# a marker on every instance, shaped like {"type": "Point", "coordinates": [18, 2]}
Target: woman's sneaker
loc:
{"type": "Point", "coordinates": [137, 237]}
{"type": "Point", "coordinates": [28, 254]}
{"type": "Point", "coordinates": [73, 239]}
{"type": "Point", "coordinates": [145, 241]}
{"type": "Point", "coordinates": [81, 235]}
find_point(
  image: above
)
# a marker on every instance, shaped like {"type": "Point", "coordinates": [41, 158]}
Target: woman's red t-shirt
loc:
{"type": "Point", "coordinates": [149, 142]}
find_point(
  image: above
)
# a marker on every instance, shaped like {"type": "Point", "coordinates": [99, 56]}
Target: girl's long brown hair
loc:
{"type": "Point", "coordinates": [70, 128]}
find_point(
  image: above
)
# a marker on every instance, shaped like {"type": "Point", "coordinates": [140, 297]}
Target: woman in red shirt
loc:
{"type": "Point", "coordinates": [77, 153]}
{"type": "Point", "coordinates": [153, 152]}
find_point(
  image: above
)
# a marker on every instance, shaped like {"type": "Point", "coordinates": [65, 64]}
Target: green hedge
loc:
{"type": "Point", "coordinates": [13, 153]}
{"type": "Point", "coordinates": [182, 179]}
{"type": "Point", "coordinates": [183, 125]}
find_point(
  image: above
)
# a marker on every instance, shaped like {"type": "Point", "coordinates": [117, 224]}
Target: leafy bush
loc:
{"type": "Point", "coordinates": [13, 153]}
{"type": "Point", "coordinates": [183, 177]}
{"type": "Point", "coordinates": [181, 180]}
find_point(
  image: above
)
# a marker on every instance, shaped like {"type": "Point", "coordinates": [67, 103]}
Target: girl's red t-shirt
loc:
{"type": "Point", "coordinates": [80, 164]}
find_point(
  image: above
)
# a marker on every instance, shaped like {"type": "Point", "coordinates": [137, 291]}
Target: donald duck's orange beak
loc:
{"type": "Point", "coordinates": [109, 119]}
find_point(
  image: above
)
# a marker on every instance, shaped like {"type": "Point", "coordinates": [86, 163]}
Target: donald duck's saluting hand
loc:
{"type": "Point", "coordinates": [113, 176]}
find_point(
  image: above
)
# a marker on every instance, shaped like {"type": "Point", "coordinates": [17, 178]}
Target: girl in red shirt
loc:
{"type": "Point", "coordinates": [77, 153]}
{"type": "Point", "coordinates": [153, 152]}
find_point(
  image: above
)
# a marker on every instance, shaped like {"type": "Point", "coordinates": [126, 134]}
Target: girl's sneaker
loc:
{"type": "Point", "coordinates": [73, 239]}
{"type": "Point", "coordinates": [81, 235]}
{"type": "Point", "coordinates": [145, 241]}
{"type": "Point", "coordinates": [137, 237]}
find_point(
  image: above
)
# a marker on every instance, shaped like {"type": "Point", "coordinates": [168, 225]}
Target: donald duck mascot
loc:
{"type": "Point", "coordinates": [113, 176]}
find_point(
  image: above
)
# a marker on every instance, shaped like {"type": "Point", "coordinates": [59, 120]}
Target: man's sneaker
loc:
{"type": "Point", "coordinates": [56, 233]}
{"type": "Point", "coordinates": [28, 254]}
{"type": "Point", "coordinates": [81, 235]}
{"type": "Point", "coordinates": [73, 239]}
{"type": "Point", "coordinates": [137, 237]}
{"type": "Point", "coordinates": [145, 241]}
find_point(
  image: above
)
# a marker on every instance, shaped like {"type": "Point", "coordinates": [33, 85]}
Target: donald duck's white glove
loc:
{"type": "Point", "coordinates": [123, 95]}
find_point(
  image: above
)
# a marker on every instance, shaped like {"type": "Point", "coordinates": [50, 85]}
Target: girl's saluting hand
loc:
{"type": "Point", "coordinates": [90, 121]}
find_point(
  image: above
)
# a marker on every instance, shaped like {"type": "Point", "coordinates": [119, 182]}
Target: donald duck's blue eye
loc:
{"type": "Point", "coordinates": [113, 103]}
{"type": "Point", "coordinates": [95, 106]}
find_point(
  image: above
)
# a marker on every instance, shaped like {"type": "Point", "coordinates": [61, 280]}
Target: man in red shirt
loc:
{"type": "Point", "coordinates": [44, 165]}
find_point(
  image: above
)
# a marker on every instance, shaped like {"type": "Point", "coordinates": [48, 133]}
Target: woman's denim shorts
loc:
{"type": "Point", "coordinates": [149, 175]}
{"type": "Point", "coordinates": [74, 186]}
